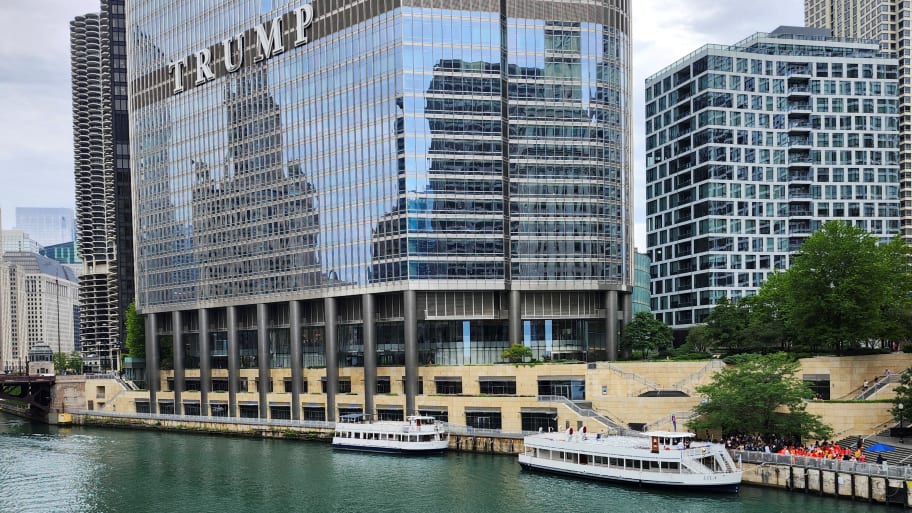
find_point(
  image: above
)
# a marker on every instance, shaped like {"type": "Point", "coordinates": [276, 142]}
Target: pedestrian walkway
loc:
{"type": "Point", "coordinates": [902, 455]}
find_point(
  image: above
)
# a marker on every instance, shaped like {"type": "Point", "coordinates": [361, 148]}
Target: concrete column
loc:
{"type": "Point", "coordinates": [611, 323]}
{"type": "Point", "coordinates": [370, 352]}
{"type": "Point", "coordinates": [178, 350]}
{"type": "Point", "coordinates": [205, 361]}
{"type": "Point", "coordinates": [153, 376]}
{"type": "Point", "coordinates": [263, 357]}
{"type": "Point", "coordinates": [332, 367]}
{"type": "Point", "coordinates": [411, 350]}
{"type": "Point", "coordinates": [294, 311]}
{"type": "Point", "coordinates": [234, 364]}
{"type": "Point", "coordinates": [627, 307]}
{"type": "Point", "coordinates": [516, 331]}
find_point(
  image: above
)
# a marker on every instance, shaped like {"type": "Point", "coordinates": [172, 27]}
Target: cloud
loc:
{"type": "Point", "coordinates": [36, 142]}
{"type": "Point", "coordinates": [665, 31]}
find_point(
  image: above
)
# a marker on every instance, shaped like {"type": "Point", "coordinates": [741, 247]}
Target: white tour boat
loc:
{"type": "Point", "coordinates": [417, 435]}
{"type": "Point", "coordinates": [656, 458]}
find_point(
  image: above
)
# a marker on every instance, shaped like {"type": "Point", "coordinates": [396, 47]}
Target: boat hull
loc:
{"type": "Point", "coordinates": [391, 449]}
{"type": "Point", "coordinates": [720, 486]}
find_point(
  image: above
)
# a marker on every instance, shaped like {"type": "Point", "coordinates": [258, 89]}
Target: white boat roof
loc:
{"type": "Point", "coordinates": [670, 434]}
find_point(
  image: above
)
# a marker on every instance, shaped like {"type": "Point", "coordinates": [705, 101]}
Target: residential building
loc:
{"type": "Point", "coordinates": [48, 226]}
{"type": "Point", "coordinates": [890, 23]}
{"type": "Point", "coordinates": [751, 148]}
{"type": "Point", "coordinates": [104, 218]}
{"type": "Point", "coordinates": [344, 192]}
{"type": "Point", "coordinates": [38, 297]}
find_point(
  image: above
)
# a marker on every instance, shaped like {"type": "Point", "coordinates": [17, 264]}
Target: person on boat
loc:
{"type": "Point", "coordinates": [680, 445]}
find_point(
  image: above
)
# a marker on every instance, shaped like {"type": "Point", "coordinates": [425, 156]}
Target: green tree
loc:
{"type": "Point", "coordinates": [727, 324]}
{"type": "Point", "coordinates": [761, 395]}
{"type": "Point", "coordinates": [136, 333]}
{"type": "Point", "coordinates": [697, 340]}
{"type": "Point", "coordinates": [74, 362]}
{"type": "Point", "coordinates": [843, 289]}
{"type": "Point", "coordinates": [645, 333]}
{"type": "Point", "coordinates": [60, 363]}
{"type": "Point", "coordinates": [903, 397]}
{"type": "Point", "coordinates": [517, 353]}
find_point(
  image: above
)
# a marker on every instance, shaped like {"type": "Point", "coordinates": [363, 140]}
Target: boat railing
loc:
{"type": "Point", "coordinates": [855, 467]}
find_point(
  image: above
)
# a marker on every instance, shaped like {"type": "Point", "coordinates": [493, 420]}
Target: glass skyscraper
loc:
{"type": "Point", "coordinates": [376, 184]}
{"type": "Point", "coordinates": [751, 148]}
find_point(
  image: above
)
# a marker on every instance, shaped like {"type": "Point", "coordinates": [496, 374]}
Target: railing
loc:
{"type": "Point", "coordinates": [878, 385]}
{"type": "Point", "coordinates": [679, 416]}
{"type": "Point", "coordinates": [712, 365]}
{"type": "Point", "coordinates": [855, 467]}
{"type": "Point", "coordinates": [588, 413]}
{"type": "Point", "coordinates": [457, 429]}
{"type": "Point", "coordinates": [631, 375]}
{"type": "Point", "coordinates": [316, 424]}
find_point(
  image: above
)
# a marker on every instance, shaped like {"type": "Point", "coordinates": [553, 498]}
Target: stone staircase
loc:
{"type": "Point", "coordinates": [902, 455]}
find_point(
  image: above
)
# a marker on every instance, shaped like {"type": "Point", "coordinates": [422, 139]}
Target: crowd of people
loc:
{"type": "Point", "coordinates": [785, 447]}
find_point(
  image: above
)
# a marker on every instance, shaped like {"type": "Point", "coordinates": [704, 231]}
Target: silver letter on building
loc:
{"type": "Point", "coordinates": [203, 71]}
{"type": "Point", "coordinates": [176, 69]}
{"type": "Point", "coordinates": [231, 65]}
{"type": "Point", "coordinates": [304, 16]}
{"type": "Point", "coordinates": [271, 44]}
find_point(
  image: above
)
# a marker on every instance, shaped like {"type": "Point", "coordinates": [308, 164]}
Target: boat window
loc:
{"type": "Point", "coordinates": [670, 465]}
{"type": "Point", "coordinates": [617, 462]}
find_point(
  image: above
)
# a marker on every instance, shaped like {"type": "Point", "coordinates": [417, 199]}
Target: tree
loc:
{"type": "Point", "coordinates": [136, 333]}
{"type": "Point", "coordinates": [697, 340]}
{"type": "Point", "coordinates": [60, 363]}
{"type": "Point", "coordinates": [74, 362]}
{"type": "Point", "coordinates": [844, 289]}
{"type": "Point", "coordinates": [517, 353]}
{"type": "Point", "coordinates": [645, 333]}
{"type": "Point", "coordinates": [726, 325]}
{"type": "Point", "coordinates": [761, 395]}
{"type": "Point", "coordinates": [904, 397]}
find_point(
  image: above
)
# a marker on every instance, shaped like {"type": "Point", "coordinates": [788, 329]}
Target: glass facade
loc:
{"type": "Point", "coordinates": [475, 156]}
{"type": "Point", "coordinates": [751, 148]}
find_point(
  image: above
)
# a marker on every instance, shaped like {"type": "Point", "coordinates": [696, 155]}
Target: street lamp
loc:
{"type": "Point", "coordinates": [900, 406]}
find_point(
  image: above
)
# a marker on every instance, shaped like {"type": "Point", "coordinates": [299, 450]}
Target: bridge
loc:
{"type": "Point", "coordinates": [31, 393]}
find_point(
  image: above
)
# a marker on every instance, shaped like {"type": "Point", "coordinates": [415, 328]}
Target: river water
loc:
{"type": "Point", "coordinates": [48, 469]}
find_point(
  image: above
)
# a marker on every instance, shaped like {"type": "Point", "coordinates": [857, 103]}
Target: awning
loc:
{"type": "Point", "coordinates": [481, 409]}
{"type": "Point", "coordinates": [191, 401]}
{"type": "Point", "coordinates": [549, 411]}
{"type": "Point", "coordinates": [248, 403]}
{"type": "Point", "coordinates": [449, 379]}
{"type": "Point", "coordinates": [389, 407]}
{"type": "Point", "coordinates": [562, 378]}
{"type": "Point", "coordinates": [280, 404]}
{"type": "Point", "coordinates": [497, 378]}
{"type": "Point", "coordinates": [433, 408]}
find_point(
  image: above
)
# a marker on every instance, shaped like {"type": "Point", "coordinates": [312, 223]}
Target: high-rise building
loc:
{"type": "Point", "coordinates": [38, 298]}
{"type": "Point", "coordinates": [641, 283]}
{"type": "Point", "coordinates": [48, 226]}
{"type": "Point", "coordinates": [104, 225]}
{"type": "Point", "coordinates": [750, 148]}
{"type": "Point", "coordinates": [890, 23]}
{"type": "Point", "coordinates": [18, 240]}
{"type": "Point", "coordinates": [361, 186]}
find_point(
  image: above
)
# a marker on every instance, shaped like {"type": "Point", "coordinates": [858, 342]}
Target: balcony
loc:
{"type": "Point", "coordinates": [799, 160]}
{"type": "Point", "coordinates": [799, 91]}
{"type": "Point", "coordinates": [799, 126]}
{"type": "Point", "coordinates": [799, 107]}
{"type": "Point", "coordinates": [799, 143]}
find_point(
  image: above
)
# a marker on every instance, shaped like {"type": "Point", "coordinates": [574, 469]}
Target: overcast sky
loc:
{"type": "Point", "coordinates": [36, 141]}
